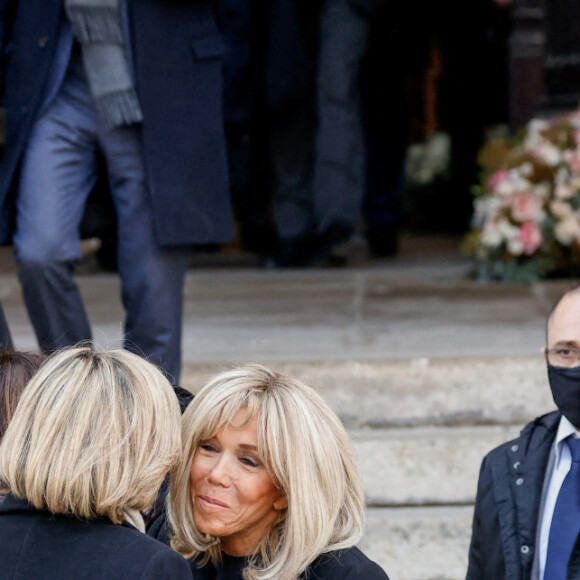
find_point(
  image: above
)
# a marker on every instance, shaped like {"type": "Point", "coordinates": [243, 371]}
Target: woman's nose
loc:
{"type": "Point", "coordinates": [219, 473]}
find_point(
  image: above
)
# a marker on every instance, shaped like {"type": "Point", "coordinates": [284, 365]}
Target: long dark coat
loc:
{"type": "Point", "coordinates": [177, 53]}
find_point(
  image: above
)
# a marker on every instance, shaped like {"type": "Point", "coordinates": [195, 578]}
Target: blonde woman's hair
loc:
{"type": "Point", "coordinates": [94, 435]}
{"type": "Point", "coordinates": [306, 450]}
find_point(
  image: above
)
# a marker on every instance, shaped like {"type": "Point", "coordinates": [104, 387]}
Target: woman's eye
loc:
{"type": "Point", "coordinates": [249, 461]}
{"type": "Point", "coordinates": [208, 447]}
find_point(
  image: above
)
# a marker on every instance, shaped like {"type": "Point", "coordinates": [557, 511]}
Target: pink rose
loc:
{"type": "Point", "coordinates": [531, 237]}
{"type": "Point", "coordinates": [575, 162]}
{"type": "Point", "coordinates": [495, 179]}
{"type": "Point", "coordinates": [526, 207]}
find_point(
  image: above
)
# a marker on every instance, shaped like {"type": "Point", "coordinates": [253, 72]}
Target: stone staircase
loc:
{"type": "Point", "coordinates": [427, 370]}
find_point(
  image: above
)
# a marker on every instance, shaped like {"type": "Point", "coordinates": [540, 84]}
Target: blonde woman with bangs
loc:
{"type": "Point", "coordinates": [86, 451]}
{"type": "Point", "coordinates": [268, 487]}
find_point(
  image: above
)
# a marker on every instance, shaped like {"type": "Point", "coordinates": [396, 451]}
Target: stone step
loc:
{"type": "Point", "coordinates": [392, 311]}
{"type": "Point", "coordinates": [418, 391]}
{"type": "Point", "coordinates": [433, 466]}
{"type": "Point", "coordinates": [419, 543]}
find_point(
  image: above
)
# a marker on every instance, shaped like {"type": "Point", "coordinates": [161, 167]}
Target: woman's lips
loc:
{"type": "Point", "coordinates": [212, 501]}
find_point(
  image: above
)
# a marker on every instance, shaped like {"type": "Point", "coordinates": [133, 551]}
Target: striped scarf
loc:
{"type": "Point", "coordinates": [98, 26]}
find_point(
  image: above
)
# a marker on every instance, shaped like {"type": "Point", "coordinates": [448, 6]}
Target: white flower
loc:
{"type": "Point", "coordinates": [526, 169]}
{"type": "Point", "coordinates": [515, 246]}
{"type": "Point", "coordinates": [485, 209]}
{"type": "Point", "coordinates": [548, 153]}
{"type": "Point", "coordinates": [567, 230]}
{"type": "Point", "coordinates": [518, 180]}
{"type": "Point", "coordinates": [427, 160]}
{"type": "Point", "coordinates": [491, 236]}
{"type": "Point", "coordinates": [560, 209]}
{"type": "Point", "coordinates": [538, 125]}
{"type": "Point", "coordinates": [508, 230]}
{"type": "Point", "coordinates": [542, 190]}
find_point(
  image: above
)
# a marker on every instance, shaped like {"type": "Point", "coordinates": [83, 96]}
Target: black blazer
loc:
{"type": "Point", "coordinates": [36, 545]}
{"type": "Point", "coordinates": [348, 564]}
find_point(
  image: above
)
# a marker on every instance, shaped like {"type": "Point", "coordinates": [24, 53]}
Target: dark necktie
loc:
{"type": "Point", "coordinates": [566, 519]}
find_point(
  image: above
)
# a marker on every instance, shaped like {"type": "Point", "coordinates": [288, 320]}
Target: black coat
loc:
{"type": "Point", "coordinates": [348, 564]}
{"type": "Point", "coordinates": [35, 545]}
{"type": "Point", "coordinates": [177, 52]}
{"type": "Point", "coordinates": [508, 502]}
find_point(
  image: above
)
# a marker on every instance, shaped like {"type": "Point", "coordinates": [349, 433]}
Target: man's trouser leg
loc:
{"type": "Point", "coordinates": [151, 278]}
{"type": "Point", "coordinates": [57, 175]}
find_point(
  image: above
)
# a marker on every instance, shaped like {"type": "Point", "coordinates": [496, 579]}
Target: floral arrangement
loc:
{"type": "Point", "coordinates": [526, 222]}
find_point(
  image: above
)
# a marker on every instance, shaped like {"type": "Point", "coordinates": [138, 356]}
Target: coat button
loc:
{"type": "Point", "coordinates": [43, 42]}
{"type": "Point", "coordinates": [515, 448]}
{"type": "Point", "coordinates": [519, 481]}
{"type": "Point", "coordinates": [525, 549]}
{"type": "Point", "coordinates": [516, 464]}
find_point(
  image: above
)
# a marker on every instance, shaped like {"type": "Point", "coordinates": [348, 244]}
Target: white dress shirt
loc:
{"type": "Point", "coordinates": [562, 464]}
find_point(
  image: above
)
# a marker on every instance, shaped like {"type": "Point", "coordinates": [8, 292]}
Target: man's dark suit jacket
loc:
{"type": "Point", "coordinates": [507, 506]}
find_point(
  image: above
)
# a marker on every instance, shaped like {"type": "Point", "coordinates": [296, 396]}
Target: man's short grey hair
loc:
{"type": "Point", "coordinates": [94, 435]}
{"type": "Point", "coordinates": [306, 450]}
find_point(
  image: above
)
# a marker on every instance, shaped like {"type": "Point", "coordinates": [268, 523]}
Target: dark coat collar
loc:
{"type": "Point", "coordinates": [12, 504]}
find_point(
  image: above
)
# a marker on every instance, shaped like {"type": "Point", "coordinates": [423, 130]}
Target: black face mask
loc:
{"type": "Point", "coordinates": [565, 385]}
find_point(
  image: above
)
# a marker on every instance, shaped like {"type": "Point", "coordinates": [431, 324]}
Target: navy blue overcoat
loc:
{"type": "Point", "coordinates": [177, 57]}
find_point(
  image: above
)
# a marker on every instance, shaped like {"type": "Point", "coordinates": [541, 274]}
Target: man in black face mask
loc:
{"type": "Point", "coordinates": [527, 510]}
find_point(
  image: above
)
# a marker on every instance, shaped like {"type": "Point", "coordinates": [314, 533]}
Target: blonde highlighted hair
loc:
{"type": "Point", "coordinates": [307, 452]}
{"type": "Point", "coordinates": [94, 435]}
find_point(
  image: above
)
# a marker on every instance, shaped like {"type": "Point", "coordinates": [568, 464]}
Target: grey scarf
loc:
{"type": "Point", "coordinates": [98, 26]}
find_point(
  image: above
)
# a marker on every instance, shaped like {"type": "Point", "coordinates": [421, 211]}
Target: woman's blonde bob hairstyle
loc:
{"type": "Point", "coordinates": [306, 450]}
{"type": "Point", "coordinates": [93, 435]}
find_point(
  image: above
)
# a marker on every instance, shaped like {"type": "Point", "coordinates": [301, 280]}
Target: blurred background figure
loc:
{"type": "Point", "coordinates": [85, 453]}
{"type": "Point", "coordinates": [472, 95]}
{"type": "Point", "coordinates": [108, 92]}
{"type": "Point", "coordinates": [322, 101]}
{"type": "Point", "coordinates": [269, 116]}
{"type": "Point", "coordinates": [358, 81]}
{"type": "Point", "coordinates": [390, 77]}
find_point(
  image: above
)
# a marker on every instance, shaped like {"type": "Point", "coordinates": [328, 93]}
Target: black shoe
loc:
{"type": "Point", "coordinates": [383, 242]}
{"type": "Point", "coordinates": [257, 238]}
{"type": "Point", "coordinates": [291, 253]}
{"type": "Point", "coordinates": [326, 243]}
